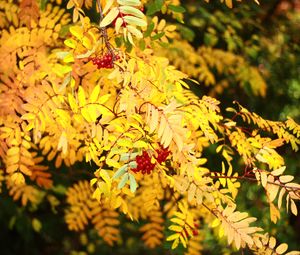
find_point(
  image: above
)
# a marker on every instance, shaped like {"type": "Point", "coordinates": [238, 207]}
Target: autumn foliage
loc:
{"type": "Point", "coordinates": [109, 105]}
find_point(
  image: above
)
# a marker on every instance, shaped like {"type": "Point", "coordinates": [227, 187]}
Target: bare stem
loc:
{"type": "Point", "coordinates": [104, 31]}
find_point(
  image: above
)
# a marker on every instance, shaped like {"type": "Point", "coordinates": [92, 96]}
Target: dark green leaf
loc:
{"type": "Point", "coordinates": [157, 36]}
{"type": "Point", "coordinates": [176, 8]}
{"type": "Point", "coordinates": [149, 30]}
{"type": "Point", "coordinates": [154, 7]}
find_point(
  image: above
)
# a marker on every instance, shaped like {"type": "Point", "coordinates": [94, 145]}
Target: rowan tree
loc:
{"type": "Point", "coordinates": [100, 122]}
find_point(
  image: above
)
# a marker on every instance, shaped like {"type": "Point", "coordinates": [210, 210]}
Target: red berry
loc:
{"type": "Point", "coordinates": [195, 232]}
{"type": "Point", "coordinates": [143, 162]}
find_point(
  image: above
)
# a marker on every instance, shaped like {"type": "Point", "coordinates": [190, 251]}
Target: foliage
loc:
{"type": "Point", "coordinates": [96, 123]}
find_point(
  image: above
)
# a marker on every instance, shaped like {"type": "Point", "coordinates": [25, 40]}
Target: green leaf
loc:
{"type": "Point", "coordinates": [132, 164]}
{"type": "Point", "coordinates": [43, 4]}
{"type": "Point", "coordinates": [109, 18]}
{"type": "Point", "coordinates": [128, 156]}
{"type": "Point", "coordinates": [133, 184]}
{"type": "Point", "coordinates": [120, 171]}
{"type": "Point", "coordinates": [123, 181]}
{"type": "Point", "coordinates": [157, 36]}
{"type": "Point", "coordinates": [142, 44]}
{"type": "Point", "coordinates": [154, 7]}
{"type": "Point", "coordinates": [119, 41]}
{"type": "Point", "coordinates": [187, 33]}
{"type": "Point", "coordinates": [59, 189]}
{"type": "Point", "coordinates": [149, 29]}
{"type": "Point", "coordinates": [176, 8]}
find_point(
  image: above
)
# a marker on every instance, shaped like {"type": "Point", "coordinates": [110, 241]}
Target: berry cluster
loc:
{"type": "Point", "coordinates": [162, 154]}
{"type": "Point", "coordinates": [144, 164]}
{"type": "Point", "coordinates": [144, 161]}
{"type": "Point", "coordinates": [105, 61]}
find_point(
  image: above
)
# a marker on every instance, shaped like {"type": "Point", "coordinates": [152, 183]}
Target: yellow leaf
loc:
{"type": "Point", "coordinates": [28, 116]}
{"type": "Point", "coordinates": [272, 191]}
{"type": "Point", "coordinates": [178, 221]}
{"type": "Point", "coordinates": [264, 179]}
{"type": "Point", "coordinates": [113, 163]}
{"type": "Point", "coordinates": [274, 213]}
{"type": "Point", "coordinates": [215, 223]}
{"type": "Point", "coordinates": [105, 176]}
{"type": "Point", "coordinates": [73, 103]}
{"type": "Point", "coordinates": [87, 43]}
{"type": "Point", "coordinates": [25, 170]}
{"type": "Point", "coordinates": [178, 140]}
{"type": "Point", "coordinates": [191, 192]}
{"type": "Point", "coordinates": [175, 244]}
{"type": "Point", "coordinates": [272, 242]}
{"type": "Point", "coordinates": [86, 114]}
{"type": "Point", "coordinates": [281, 193]}
{"type": "Point", "coordinates": [81, 97]}
{"type": "Point", "coordinates": [12, 168]}
{"type": "Point", "coordinates": [180, 215]}
{"type": "Point", "coordinates": [229, 3]}
{"type": "Point", "coordinates": [69, 58]}
{"type": "Point", "coordinates": [124, 143]}
{"type": "Point", "coordinates": [140, 144]}
{"type": "Point", "coordinates": [154, 118]}
{"type": "Point", "coordinates": [282, 248]}
{"type": "Point", "coordinates": [93, 181]}
{"type": "Point", "coordinates": [103, 99]}
{"type": "Point", "coordinates": [114, 12]}
{"type": "Point", "coordinates": [63, 143]}
{"type": "Point", "coordinates": [95, 94]}
{"type": "Point", "coordinates": [286, 178]}
{"type": "Point", "coordinates": [70, 43]}
{"type": "Point", "coordinates": [77, 31]}
{"type": "Point", "coordinates": [173, 237]}
{"type": "Point", "coordinates": [137, 33]}
{"type": "Point", "coordinates": [17, 178]}
{"type": "Point", "coordinates": [118, 24]}
{"type": "Point", "coordinates": [13, 151]}
{"type": "Point", "coordinates": [275, 143]}
{"type": "Point", "coordinates": [182, 240]}
{"type": "Point", "coordinates": [293, 207]}
{"type": "Point", "coordinates": [97, 194]}
{"type": "Point", "coordinates": [135, 21]}
{"type": "Point", "coordinates": [176, 228]}
{"type": "Point", "coordinates": [107, 6]}
{"type": "Point", "coordinates": [278, 171]}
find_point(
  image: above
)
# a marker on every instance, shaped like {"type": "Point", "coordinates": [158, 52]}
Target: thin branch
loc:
{"type": "Point", "coordinates": [249, 179]}
{"type": "Point", "coordinates": [104, 31]}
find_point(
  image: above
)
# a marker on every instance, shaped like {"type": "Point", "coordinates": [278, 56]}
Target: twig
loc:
{"type": "Point", "coordinates": [104, 31]}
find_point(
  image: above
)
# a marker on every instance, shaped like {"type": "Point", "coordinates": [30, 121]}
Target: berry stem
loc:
{"type": "Point", "coordinates": [104, 31]}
